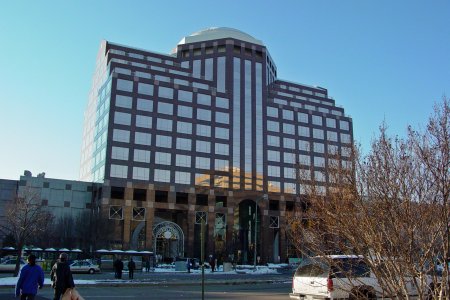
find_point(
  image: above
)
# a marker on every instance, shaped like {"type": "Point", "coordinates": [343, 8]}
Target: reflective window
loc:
{"type": "Point", "coordinates": [221, 149]}
{"type": "Point", "coordinates": [333, 149]}
{"type": "Point", "coordinates": [183, 160]}
{"type": "Point", "coordinates": [289, 158]}
{"type": "Point", "coordinates": [165, 108]}
{"type": "Point", "coordinates": [124, 85]}
{"type": "Point", "coordinates": [346, 151]}
{"type": "Point", "coordinates": [332, 136]}
{"type": "Point", "coordinates": [141, 155]}
{"type": "Point", "coordinates": [203, 130]}
{"type": "Point", "coordinates": [184, 111]}
{"type": "Point", "coordinates": [202, 163]}
{"type": "Point", "coordinates": [303, 145]}
{"type": "Point", "coordinates": [302, 117]}
{"type": "Point", "coordinates": [209, 69]}
{"type": "Point", "coordinates": [345, 138]}
{"type": "Point", "coordinates": [182, 177]}
{"type": "Point", "coordinates": [204, 99]}
{"type": "Point", "coordinates": [184, 127]}
{"type": "Point", "coordinates": [184, 96]}
{"type": "Point", "coordinates": [319, 161]}
{"type": "Point", "coordinates": [164, 141]}
{"type": "Point", "coordinates": [288, 129]}
{"type": "Point", "coordinates": [162, 78]}
{"type": "Point", "coordinates": [289, 188]}
{"type": "Point", "coordinates": [273, 140]}
{"type": "Point", "coordinates": [319, 176]}
{"type": "Point", "coordinates": [142, 138]}
{"type": "Point", "coordinates": [144, 104]}
{"type": "Point", "coordinates": [203, 114]}
{"type": "Point", "coordinates": [304, 159]}
{"type": "Point", "coordinates": [202, 179]}
{"type": "Point", "coordinates": [141, 173]}
{"type": "Point", "coordinates": [289, 173]}
{"type": "Point", "coordinates": [162, 175]}
{"type": "Point", "coordinates": [165, 92]}
{"type": "Point", "coordinates": [143, 121]}
{"type": "Point", "coordinates": [222, 118]}
{"type": "Point", "coordinates": [288, 114]}
{"type": "Point", "coordinates": [303, 131]}
{"type": "Point", "coordinates": [319, 147]}
{"type": "Point", "coordinates": [124, 101]}
{"type": "Point", "coordinates": [331, 123]}
{"type": "Point", "coordinates": [121, 135]}
{"type": "Point", "coordinates": [164, 124]}
{"type": "Point", "coordinates": [122, 118]}
{"type": "Point", "coordinates": [119, 153]}
{"type": "Point", "coordinates": [145, 89]}
{"type": "Point", "coordinates": [344, 125]}
{"type": "Point", "coordinates": [162, 158]}
{"type": "Point", "coordinates": [220, 165]}
{"type": "Point", "coordinates": [273, 155]}
{"type": "Point", "coordinates": [273, 171]}
{"type": "Point", "coordinates": [272, 112]}
{"type": "Point", "coordinates": [184, 144]}
{"type": "Point", "coordinates": [119, 171]}
{"type": "Point", "coordinates": [222, 102]}
{"type": "Point", "coordinates": [288, 143]}
{"type": "Point", "coordinates": [317, 120]}
{"type": "Point", "coordinates": [273, 126]}
{"type": "Point", "coordinates": [222, 133]}
{"type": "Point", "coordinates": [202, 146]}
{"type": "Point", "coordinates": [221, 74]}
{"type": "Point", "coordinates": [317, 133]}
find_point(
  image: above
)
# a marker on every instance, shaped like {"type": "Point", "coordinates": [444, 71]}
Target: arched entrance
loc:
{"type": "Point", "coordinates": [168, 240]}
{"type": "Point", "coordinates": [244, 235]}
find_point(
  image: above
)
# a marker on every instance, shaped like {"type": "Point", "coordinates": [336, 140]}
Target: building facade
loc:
{"type": "Point", "coordinates": [205, 133]}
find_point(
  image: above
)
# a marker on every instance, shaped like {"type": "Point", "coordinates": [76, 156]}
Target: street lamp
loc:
{"type": "Point", "coordinates": [264, 197]}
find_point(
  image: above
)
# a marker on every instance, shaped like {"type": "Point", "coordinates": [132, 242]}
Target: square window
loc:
{"type": "Point", "coordinates": [201, 216]}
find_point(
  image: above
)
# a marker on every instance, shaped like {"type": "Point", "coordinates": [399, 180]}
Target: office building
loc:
{"type": "Point", "coordinates": [205, 133]}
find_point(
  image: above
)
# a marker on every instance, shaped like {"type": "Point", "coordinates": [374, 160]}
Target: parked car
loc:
{"type": "Point", "coordinates": [83, 266]}
{"type": "Point", "coordinates": [9, 265]}
{"type": "Point", "coordinates": [336, 276]}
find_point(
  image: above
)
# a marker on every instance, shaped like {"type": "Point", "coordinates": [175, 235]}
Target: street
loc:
{"type": "Point", "coordinates": [161, 291]}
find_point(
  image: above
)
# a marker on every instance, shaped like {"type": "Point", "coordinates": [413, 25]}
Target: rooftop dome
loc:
{"type": "Point", "coordinates": [215, 33]}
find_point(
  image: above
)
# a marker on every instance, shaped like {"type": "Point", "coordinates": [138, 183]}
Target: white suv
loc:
{"type": "Point", "coordinates": [336, 277]}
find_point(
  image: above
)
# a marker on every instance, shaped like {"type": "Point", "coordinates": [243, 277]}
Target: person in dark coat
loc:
{"type": "Point", "coordinates": [119, 268]}
{"type": "Point", "coordinates": [147, 265]}
{"type": "Point", "coordinates": [31, 277]}
{"type": "Point", "coordinates": [131, 267]}
{"type": "Point", "coordinates": [61, 276]}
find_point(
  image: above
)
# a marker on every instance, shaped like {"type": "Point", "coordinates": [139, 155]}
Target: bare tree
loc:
{"type": "Point", "coordinates": [390, 206]}
{"type": "Point", "coordinates": [26, 218]}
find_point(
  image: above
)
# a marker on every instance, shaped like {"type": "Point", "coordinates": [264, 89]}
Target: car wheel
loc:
{"type": "Point", "coordinates": [91, 271]}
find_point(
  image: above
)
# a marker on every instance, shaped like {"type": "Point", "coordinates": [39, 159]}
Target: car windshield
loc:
{"type": "Point", "coordinates": [312, 268]}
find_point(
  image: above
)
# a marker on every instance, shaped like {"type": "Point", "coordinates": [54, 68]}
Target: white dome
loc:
{"type": "Point", "coordinates": [215, 33]}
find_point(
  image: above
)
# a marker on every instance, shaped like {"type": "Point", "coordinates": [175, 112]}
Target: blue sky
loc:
{"type": "Point", "coordinates": [381, 60]}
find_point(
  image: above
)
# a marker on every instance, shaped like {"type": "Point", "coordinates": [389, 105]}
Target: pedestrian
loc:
{"type": "Point", "coordinates": [188, 265]}
{"type": "Point", "coordinates": [61, 276]}
{"type": "Point", "coordinates": [212, 263]}
{"type": "Point", "coordinates": [147, 265]}
{"type": "Point", "coordinates": [116, 268]}
{"type": "Point", "coordinates": [119, 268]}
{"type": "Point", "coordinates": [131, 267]}
{"type": "Point", "coordinates": [31, 277]}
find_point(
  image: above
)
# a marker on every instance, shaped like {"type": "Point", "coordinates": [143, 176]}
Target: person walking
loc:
{"type": "Point", "coordinates": [188, 265]}
{"type": "Point", "coordinates": [61, 276]}
{"type": "Point", "coordinates": [31, 277]}
{"type": "Point", "coordinates": [131, 267]}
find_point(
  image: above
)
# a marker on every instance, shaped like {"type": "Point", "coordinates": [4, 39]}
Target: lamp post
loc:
{"type": "Point", "coordinates": [264, 197]}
